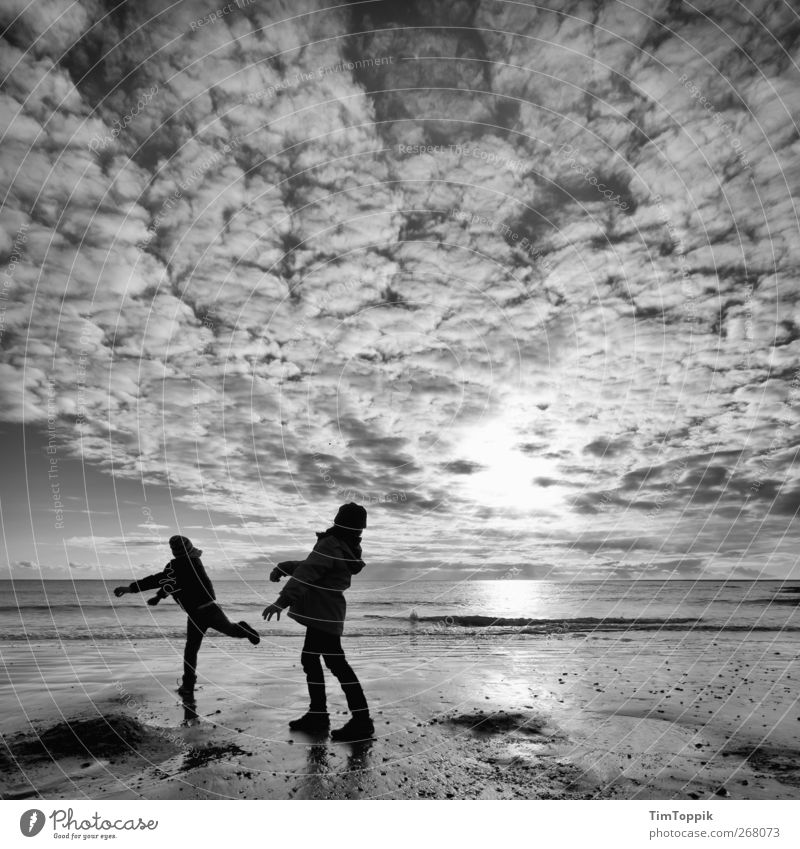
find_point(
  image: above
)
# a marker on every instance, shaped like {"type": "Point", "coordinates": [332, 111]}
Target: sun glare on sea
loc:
{"type": "Point", "coordinates": [507, 476]}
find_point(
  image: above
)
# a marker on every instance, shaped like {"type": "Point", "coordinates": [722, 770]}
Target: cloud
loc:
{"type": "Point", "coordinates": [605, 447]}
{"type": "Point", "coordinates": [301, 253]}
{"type": "Point", "coordinates": [597, 544]}
{"type": "Point", "coordinates": [45, 570]}
{"type": "Point", "coordinates": [462, 467]}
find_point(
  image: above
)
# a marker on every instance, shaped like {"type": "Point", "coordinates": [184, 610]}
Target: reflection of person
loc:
{"type": "Point", "coordinates": [314, 595]}
{"type": "Point", "coordinates": [186, 580]}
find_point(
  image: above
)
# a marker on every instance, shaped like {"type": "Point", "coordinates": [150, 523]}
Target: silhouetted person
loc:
{"type": "Point", "coordinates": [186, 580]}
{"type": "Point", "coordinates": [314, 595]}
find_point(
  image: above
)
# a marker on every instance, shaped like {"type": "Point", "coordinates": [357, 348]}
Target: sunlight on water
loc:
{"type": "Point", "coordinates": [514, 598]}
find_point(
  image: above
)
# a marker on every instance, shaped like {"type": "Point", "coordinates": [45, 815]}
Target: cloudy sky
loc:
{"type": "Point", "coordinates": [522, 278]}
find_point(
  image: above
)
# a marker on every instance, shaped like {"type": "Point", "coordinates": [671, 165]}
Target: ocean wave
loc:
{"type": "Point", "coordinates": [55, 607]}
{"type": "Point", "coordinates": [523, 625]}
{"type": "Point", "coordinates": [475, 621]}
{"type": "Point", "coordinates": [774, 600]}
{"type": "Point", "coordinates": [397, 603]}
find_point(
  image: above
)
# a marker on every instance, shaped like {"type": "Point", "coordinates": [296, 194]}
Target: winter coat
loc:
{"type": "Point", "coordinates": [185, 579]}
{"type": "Point", "coordinates": [314, 593]}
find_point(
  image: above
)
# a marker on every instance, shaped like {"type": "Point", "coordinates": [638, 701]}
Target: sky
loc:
{"type": "Point", "coordinates": [520, 278]}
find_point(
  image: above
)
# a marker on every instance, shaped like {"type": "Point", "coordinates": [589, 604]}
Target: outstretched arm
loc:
{"type": "Point", "coordinates": [285, 569]}
{"type": "Point", "coordinates": [148, 583]}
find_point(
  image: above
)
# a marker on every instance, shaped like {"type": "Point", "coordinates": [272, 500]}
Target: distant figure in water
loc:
{"type": "Point", "coordinates": [314, 595]}
{"type": "Point", "coordinates": [185, 579]}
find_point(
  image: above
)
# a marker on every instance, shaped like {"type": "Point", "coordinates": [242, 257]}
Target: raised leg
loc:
{"type": "Point", "coordinates": [215, 618]}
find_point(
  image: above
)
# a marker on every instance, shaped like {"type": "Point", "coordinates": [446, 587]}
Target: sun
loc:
{"type": "Point", "coordinates": [508, 476]}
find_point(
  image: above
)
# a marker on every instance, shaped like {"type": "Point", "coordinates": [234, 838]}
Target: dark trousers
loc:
{"type": "Point", "coordinates": [210, 616]}
{"type": "Point", "coordinates": [321, 644]}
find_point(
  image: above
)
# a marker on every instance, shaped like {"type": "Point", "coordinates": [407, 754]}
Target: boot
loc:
{"type": "Point", "coordinates": [252, 633]}
{"type": "Point", "coordinates": [357, 729]}
{"type": "Point", "coordinates": [313, 723]}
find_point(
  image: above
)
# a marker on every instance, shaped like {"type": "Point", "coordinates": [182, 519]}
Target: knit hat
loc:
{"type": "Point", "coordinates": [351, 516]}
{"type": "Point", "coordinates": [183, 546]}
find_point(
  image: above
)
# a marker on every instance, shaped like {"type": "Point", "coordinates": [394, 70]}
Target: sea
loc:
{"type": "Point", "coordinates": [86, 610]}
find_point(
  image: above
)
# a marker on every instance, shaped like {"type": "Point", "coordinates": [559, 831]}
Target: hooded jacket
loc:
{"type": "Point", "coordinates": [184, 578]}
{"type": "Point", "coordinates": [314, 593]}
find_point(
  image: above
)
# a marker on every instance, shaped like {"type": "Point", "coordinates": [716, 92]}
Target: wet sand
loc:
{"type": "Point", "coordinates": [672, 716]}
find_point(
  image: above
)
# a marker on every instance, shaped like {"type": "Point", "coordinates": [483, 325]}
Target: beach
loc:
{"type": "Point", "coordinates": [547, 722]}
{"type": "Point", "coordinates": [461, 711]}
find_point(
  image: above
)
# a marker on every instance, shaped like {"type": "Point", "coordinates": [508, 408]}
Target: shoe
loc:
{"type": "Point", "coordinates": [253, 634]}
{"type": "Point", "coordinates": [311, 722]}
{"type": "Point", "coordinates": [354, 731]}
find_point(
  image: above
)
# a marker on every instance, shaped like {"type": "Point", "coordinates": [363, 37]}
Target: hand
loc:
{"type": "Point", "coordinates": [154, 600]}
{"type": "Point", "coordinates": [273, 609]}
{"type": "Point", "coordinates": [275, 575]}
{"type": "Point", "coordinates": [120, 591]}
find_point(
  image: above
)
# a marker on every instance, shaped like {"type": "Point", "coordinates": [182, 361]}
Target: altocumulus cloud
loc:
{"type": "Point", "coordinates": [521, 268]}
